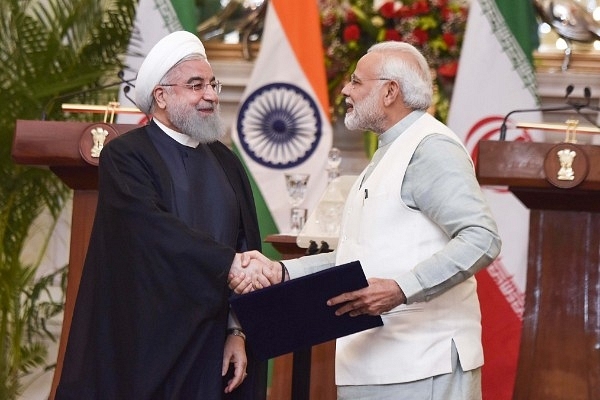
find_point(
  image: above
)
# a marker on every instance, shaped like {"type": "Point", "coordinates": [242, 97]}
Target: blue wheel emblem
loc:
{"type": "Point", "coordinates": [279, 125]}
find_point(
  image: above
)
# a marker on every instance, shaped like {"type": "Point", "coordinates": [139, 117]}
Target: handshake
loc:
{"type": "Point", "coordinates": [252, 270]}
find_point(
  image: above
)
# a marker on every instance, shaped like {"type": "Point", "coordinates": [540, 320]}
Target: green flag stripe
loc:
{"type": "Point", "coordinates": [519, 57]}
{"type": "Point", "coordinates": [187, 13]}
{"type": "Point", "coordinates": [520, 18]}
{"type": "Point", "coordinates": [266, 223]}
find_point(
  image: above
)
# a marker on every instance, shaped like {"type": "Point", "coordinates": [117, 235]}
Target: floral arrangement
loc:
{"type": "Point", "coordinates": [350, 27]}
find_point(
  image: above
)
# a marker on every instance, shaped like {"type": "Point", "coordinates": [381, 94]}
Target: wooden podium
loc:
{"type": "Point", "coordinates": [308, 374]}
{"type": "Point", "coordinates": [63, 148]}
{"type": "Point", "coordinates": [559, 356]}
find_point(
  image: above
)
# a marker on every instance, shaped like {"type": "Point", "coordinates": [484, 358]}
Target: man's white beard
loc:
{"type": "Point", "coordinates": [206, 129]}
{"type": "Point", "coordinates": [365, 116]}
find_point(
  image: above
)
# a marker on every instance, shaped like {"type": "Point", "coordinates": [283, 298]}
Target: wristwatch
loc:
{"type": "Point", "coordinates": [236, 332]}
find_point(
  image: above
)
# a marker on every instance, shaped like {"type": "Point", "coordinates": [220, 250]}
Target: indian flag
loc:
{"type": "Point", "coordinates": [496, 76]}
{"type": "Point", "coordinates": [154, 19]}
{"type": "Point", "coordinates": [282, 127]}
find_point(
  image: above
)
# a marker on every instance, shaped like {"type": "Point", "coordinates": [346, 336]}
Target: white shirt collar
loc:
{"type": "Point", "coordinates": [178, 136]}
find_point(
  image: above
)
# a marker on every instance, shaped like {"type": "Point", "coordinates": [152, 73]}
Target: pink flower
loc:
{"type": "Point", "coordinates": [328, 18]}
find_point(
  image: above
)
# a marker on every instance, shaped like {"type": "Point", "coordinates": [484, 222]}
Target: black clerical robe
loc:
{"type": "Point", "coordinates": [151, 313]}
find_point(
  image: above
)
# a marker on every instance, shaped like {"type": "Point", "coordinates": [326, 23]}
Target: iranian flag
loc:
{"type": "Point", "coordinates": [282, 127]}
{"type": "Point", "coordinates": [496, 76]}
{"type": "Point", "coordinates": [154, 19]}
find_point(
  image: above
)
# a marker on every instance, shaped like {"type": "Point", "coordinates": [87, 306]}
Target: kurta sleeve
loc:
{"type": "Point", "coordinates": [440, 181]}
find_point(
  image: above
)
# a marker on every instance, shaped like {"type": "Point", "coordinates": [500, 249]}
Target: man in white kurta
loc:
{"type": "Point", "coordinates": [418, 222]}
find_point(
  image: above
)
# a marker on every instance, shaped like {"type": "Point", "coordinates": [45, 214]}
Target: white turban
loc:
{"type": "Point", "coordinates": [161, 58]}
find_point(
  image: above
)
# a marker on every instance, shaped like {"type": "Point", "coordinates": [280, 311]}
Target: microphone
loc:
{"type": "Point", "coordinates": [127, 82]}
{"type": "Point", "coordinates": [587, 95]}
{"type": "Point", "coordinates": [126, 90]}
{"type": "Point", "coordinates": [569, 91]}
{"type": "Point", "coordinates": [570, 106]}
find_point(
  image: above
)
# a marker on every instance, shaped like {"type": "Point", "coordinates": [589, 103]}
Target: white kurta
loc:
{"type": "Point", "coordinates": [390, 238]}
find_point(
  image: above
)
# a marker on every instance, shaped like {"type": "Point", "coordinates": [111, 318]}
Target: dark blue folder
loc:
{"type": "Point", "coordinates": [294, 315]}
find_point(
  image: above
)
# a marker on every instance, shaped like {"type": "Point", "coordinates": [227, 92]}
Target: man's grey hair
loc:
{"type": "Point", "coordinates": [412, 73]}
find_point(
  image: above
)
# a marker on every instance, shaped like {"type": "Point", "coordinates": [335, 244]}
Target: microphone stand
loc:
{"type": "Point", "coordinates": [577, 107]}
{"type": "Point", "coordinates": [127, 82]}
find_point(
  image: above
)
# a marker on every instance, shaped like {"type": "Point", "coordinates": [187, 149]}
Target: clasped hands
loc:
{"type": "Point", "coordinates": [252, 270]}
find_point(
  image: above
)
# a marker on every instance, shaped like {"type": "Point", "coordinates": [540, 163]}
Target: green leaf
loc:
{"type": "Point", "coordinates": [48, 48]}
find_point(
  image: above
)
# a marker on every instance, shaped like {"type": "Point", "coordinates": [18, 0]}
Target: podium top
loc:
{"type": "Point", "coordinates": [53, 143]}
{"type": "Point", "coordinates": [63, 147]}
{"type": "Point", "coordinates": [540, 174]}
{"type": "Point", "coordinates": [522, 164]}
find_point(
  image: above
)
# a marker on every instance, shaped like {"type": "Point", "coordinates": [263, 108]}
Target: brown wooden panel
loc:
{"type": "Point", "coordinates": [291, 376]}
{"type": "Point", "coordinates": [281, 380]}
{"type": "Point", "coordinates": [560, 344]}
{"type": "Point", "coordinates": [521, 164]}
{"type": "Point", "coordinates": [52, 143]}
{"type": "Point", "coordinates": [55, 144]}
{"type": "Point", "coordinates": [84, 208]}
{"type": "Point", "coordinates": [322, 372]}
{"type": "Point", "coordinates": [559, 356]}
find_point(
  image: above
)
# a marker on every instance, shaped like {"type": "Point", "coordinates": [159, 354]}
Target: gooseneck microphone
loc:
{"type": "Point", "coordinates": [128, 85]}
{"type": "Point", "coordinates": [569, 90]}
{"type": "Point", "coordinates": [574, 106]}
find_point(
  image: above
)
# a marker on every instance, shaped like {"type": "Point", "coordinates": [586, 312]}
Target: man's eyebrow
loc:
{"type": "Point", "coordinates": [200, 78]}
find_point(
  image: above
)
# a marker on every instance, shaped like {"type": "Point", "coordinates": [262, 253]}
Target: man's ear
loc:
{"type": "Point", "coordinates": [392, 92]}
{"type": "Point", "coordinates": [159, 97]}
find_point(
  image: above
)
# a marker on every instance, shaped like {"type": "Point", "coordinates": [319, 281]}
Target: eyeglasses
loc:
{"type": "Point", "coordinates": [354, 81]}
{"type": "Point", "coordinates": [198, 87]}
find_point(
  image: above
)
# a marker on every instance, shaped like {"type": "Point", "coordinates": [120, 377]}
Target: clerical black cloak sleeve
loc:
{"type": "Point", "coordinates": [150, 316]}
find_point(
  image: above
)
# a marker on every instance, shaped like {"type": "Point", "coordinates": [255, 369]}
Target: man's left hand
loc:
{"type": "Point", "coordinates": [380, 296]}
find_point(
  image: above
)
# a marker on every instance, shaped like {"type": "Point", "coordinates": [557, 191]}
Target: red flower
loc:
{"type": "Point", "coordinates": [446, 13]}
{"type": "Point", "coordinates": [350, 17]}
{"type": "Point", "coordinates": [421, 7]}
{"type": "Point", "coordinates": [405, 12]}
{"type": "Point", "coordinates": [448, 70]}
{"type": "Point", "coordinates": [351, 33]}
{"type": "Point", "coordinates": [439, 3]}
{"type": "Point", "coordinates": [350, 27]}
{"type": "Point", "coordinates": [449, 39]}
{"type": "Point", "coordinates": [392, 34]}
{"type": "Point", "coordinates": [421, 36]}
{"type": "Point", "coordinates": [387, 10]}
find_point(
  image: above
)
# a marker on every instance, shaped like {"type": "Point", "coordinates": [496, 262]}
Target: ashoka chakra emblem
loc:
{"type": "Point", "coordinates": [279, 125]}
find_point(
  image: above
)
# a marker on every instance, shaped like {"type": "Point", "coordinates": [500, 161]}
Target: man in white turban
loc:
{"type": "Point", "coordinates": [175, 211]}
{"type": "Point", "coordinates": [162, 57]}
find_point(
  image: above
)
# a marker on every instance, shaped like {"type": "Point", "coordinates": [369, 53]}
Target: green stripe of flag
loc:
{"type": "Point", "coordinates": [187, 13]}
{"type": "Point", "coordinates": [520, 18]}
{"type": "Point", "coordinates": [266, 223]}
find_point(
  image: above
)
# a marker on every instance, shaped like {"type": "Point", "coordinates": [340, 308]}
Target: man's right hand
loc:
{"type": "Point", "coordinates": [253, 270]}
